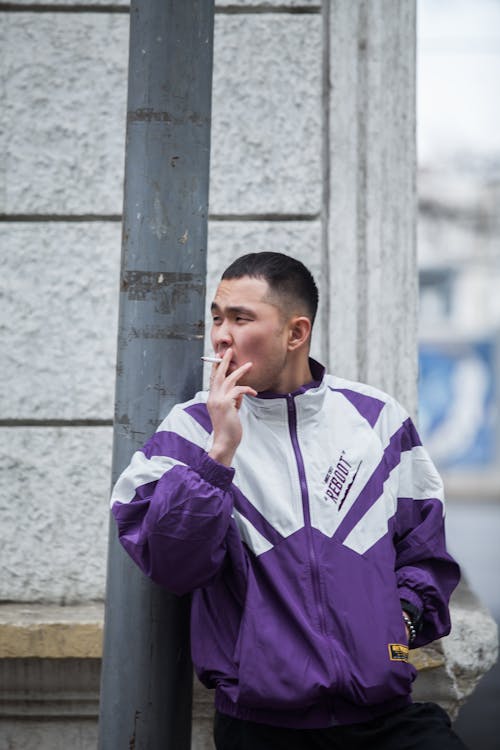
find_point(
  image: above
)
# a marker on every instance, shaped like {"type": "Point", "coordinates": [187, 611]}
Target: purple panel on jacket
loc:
{"type": "Point", "coordinates": [143, 492]}
{"type": "Point", "coordinates": [410, 438]}
{"type": "Point", "coordinates": [165, 443]}
{"type": "Point", "coordinates": [368, 407]}
{"type": "Point", "coordinates": [423, 517]}
{"type": "Point", "coordinates": [199, 412]}
{"type": "Point", "coordinates": [403, 440]}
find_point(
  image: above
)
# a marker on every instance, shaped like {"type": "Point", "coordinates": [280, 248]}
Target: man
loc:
{"type": "Point", "coordinates": [307, 519]}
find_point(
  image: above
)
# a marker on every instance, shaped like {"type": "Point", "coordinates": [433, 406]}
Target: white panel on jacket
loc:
{"type": "Point", "coordinates": [418, 476]}
{"type": "Point", "coordinates": [141, 470]}
{"type": "Point", "coordinates": [374, 524]}
{"type": "Point", "coordinates": [266, 469]}
{"type": "Point", "coordinates": [340, 456]}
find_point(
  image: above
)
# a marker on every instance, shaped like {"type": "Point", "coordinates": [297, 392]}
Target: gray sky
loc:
{"type": "Point", "coordinates": [458, 85]}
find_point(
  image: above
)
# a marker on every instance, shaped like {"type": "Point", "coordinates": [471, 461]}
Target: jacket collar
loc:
{"type": "Point", "coordinates": [317, 371]}
{"type": "Point", "coordinates": [309, 396]}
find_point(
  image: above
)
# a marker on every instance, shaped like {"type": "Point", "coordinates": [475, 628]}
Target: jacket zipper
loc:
{"type": "Point", "coordinates": [292, 423]}
{"type": "Point", "coordinates": [316, 585]}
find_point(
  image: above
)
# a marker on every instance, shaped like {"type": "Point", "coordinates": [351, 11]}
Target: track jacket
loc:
{"type": "Point", "coordinates": [299, 554]}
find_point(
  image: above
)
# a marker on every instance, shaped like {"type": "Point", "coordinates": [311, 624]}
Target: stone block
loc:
{"type": "Point", "coordinates": [48, 631]}
{"type": "Point", "coordinates": [64, 83]}
{"type": "Point", "coordinates": [59, 283]}
{"type": "Point", "coordinates": [450, 669]}
{"type": "Point", "coordinates": [39, 734]}
{"type": "Point", "coordinates": [266, 127]}
{"type": "Point", "coordinates": [470, 650]}
{"type": "Point", "coordinates": [371, 195]}
{"type": "Point", "coordinates": [56, 484]}
{"type": "Point", "coordinates": [64, 103]}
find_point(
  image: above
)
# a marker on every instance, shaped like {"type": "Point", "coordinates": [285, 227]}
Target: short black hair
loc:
{"type": "Point", "coordinates": [285, 275]}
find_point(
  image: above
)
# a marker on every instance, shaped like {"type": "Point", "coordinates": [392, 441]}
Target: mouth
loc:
{"type": "Point", "coordinates": [219, 356]}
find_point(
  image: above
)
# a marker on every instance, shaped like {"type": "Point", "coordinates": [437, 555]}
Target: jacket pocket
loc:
{"type": "Point", "coordinates": [282, 661]}
{"type": "Point", "coordinates": [365, 613]}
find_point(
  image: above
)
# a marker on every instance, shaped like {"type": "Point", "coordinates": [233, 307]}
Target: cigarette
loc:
{"type": "Point", "coordinates": [213, 360]}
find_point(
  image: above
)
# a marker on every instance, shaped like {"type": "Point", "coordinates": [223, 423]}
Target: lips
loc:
{"type": "Point", "coordinates": [232, 362]}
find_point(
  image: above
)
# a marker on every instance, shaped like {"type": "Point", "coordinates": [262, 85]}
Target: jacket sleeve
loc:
{"type": "Point", "coordinates": [172, 506]}
{"type": "Point", "coordinates": [426, 574]}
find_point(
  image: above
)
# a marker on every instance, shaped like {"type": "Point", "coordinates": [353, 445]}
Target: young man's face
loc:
{"type": "Point", "coordinates": [244, 319]}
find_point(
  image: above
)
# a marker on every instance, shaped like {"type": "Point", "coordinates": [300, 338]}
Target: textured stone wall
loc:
{"type": "Point", "coordinates": [64, 84]}
{"type": "Point", "coordinates": [301, 150]}
{"type": "Point", "coordinates": [372, 279]}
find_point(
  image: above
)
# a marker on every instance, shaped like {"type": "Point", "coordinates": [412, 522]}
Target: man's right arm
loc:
{"type": "Point", "coordinates": [172, 506]}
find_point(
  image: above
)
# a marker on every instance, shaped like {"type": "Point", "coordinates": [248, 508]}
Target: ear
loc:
{"type": "Point", "coordinates": [299, 332]}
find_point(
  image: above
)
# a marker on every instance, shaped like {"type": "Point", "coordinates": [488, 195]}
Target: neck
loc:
{"type": "Point", "coordinates": [295, 374]}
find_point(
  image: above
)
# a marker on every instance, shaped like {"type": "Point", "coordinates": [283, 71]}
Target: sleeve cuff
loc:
{"type": "Point", "coordinates": [215, 473]}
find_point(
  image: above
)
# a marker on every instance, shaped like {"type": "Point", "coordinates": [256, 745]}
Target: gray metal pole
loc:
{"type": "Point", "coordinates": [147, 676]}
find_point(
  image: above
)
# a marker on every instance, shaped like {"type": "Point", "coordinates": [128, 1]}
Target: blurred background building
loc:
{"type": "Point", "coordinates": [458, 126]}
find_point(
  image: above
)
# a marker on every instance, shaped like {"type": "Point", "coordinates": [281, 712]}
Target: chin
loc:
{"type": "Point", "coordinates": [251, 384]}
{"type": "Point", "coordinates": [261, 387]}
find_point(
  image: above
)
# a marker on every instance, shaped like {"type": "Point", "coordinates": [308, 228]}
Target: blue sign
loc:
{"type": "Point", "coordinates": [458, 402]}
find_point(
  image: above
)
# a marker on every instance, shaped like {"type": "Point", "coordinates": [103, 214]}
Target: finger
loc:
{"type": "Point", "coordinates": [241, 390]}
{"type": "Point", "coordinates": [226, 395]}
{"type": "Point", "coordinates": [220, 368]}
{"type": "Point", "coordinates": [233, 377]}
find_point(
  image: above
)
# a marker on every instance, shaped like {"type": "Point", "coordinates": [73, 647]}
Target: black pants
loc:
{"type": "Point", "coordinates": [420, 726]}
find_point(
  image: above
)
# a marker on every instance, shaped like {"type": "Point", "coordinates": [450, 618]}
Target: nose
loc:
{"type": "Point", "coordinates": [221, 337]}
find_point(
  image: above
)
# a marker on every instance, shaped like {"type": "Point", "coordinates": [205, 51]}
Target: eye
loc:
{"type": "Point", "coordinates": [216, 320]}
{"type": "Point", "coordinates": [241, 319]}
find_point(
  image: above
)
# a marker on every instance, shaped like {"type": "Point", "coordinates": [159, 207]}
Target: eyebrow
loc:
{"type": "Point", "coordinates": [232, 309]}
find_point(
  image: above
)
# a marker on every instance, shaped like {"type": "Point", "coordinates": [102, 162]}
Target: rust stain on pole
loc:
{"type": "Point", "coordinates": [171, 288]}
{"type": "Point", "coordinates": [186, 332]}
{"type": "Point", "coordinates": [150, 115]}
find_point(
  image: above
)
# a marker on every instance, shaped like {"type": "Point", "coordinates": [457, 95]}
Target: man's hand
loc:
{"type": "Point", "coordinates": [223, 405]}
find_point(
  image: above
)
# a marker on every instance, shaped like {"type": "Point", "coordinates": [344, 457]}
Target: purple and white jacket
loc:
{"type": "Point", "coordinates": [298, 555]}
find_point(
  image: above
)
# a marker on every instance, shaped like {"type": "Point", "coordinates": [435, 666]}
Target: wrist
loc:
{"type": "Point", "coordinates": [222, 454]}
